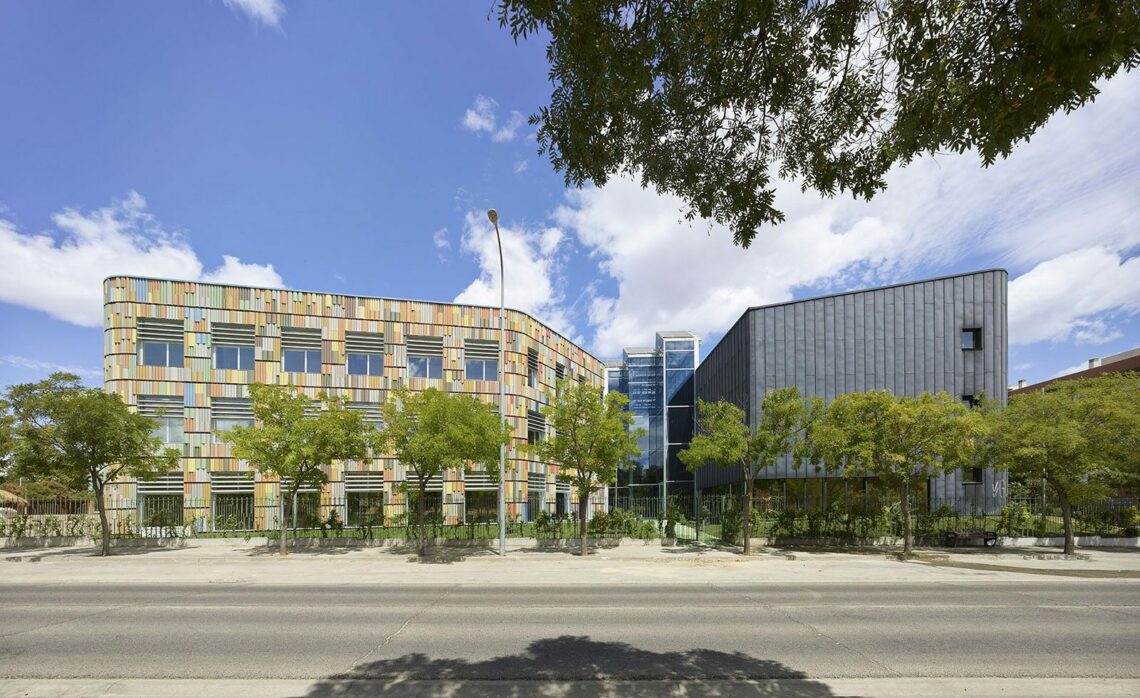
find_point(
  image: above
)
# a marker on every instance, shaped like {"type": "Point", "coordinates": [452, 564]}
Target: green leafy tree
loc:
{"type": "Point", "coordinates": [84, 438]}
{"type": "Point", "coordinates": [710, 99]}
{"type": "Point", "coordinates": [902, 441]}
{"type": "Point", "coordinates": [287, 443]}
{"type": "Point", "coordinates": [591, 440]}
{"type": "Point", "coordinates": [431, 432]}
{"type": "Point", "coordinates": [724, 439]}
{"type": "Point", "coordinates": [1081, 436]}
{"type": "Point", "coordinates": [7, 438]}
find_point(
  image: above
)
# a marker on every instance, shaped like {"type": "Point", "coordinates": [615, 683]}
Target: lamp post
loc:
{"type": "Point", "coordinates": [493, 216]}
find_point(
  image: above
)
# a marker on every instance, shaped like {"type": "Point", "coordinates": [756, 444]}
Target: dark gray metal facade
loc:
{"type": "Point", "coordinates": [906, 338]}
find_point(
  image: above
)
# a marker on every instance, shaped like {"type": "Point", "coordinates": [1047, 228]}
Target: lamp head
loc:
{"type": "Point", "coordinates": [493, 216]}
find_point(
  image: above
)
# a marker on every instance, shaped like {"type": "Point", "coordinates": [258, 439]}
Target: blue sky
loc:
{"type": "Point", "coordinates": [354, 146]}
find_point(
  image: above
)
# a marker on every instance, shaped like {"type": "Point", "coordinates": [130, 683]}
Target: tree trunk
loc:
{"type": "Point", "coordinates": [281, 547]}
{"type": "Point", "coordinates": [747, 510]}
{"type": "Point", "coordinates": [583, 502]}
{"type": "Point", "coordinates": [906, 517]}
{"type": "Point", "coordinates": [1067, 517]}
{"type": "Point", "coordinates": [422, 523]}
{"type": "Point", "coordinates": [104, 524]}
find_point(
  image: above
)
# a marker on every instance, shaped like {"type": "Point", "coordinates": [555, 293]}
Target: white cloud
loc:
{"type": "Point", "coordinates": [482, 117]}
{"type": "Point", "coordinates": [521, 166]}
{"type": "Point", "coordinates": [533, 277]}
{"type": "Point", "coordinates": [62, 273]}
{"type": "Point", "coordinates": [266, 12]}
{"type": "Point", "coordinates": [508, 128]}
{"type": "Point", "coordinates": [674, 276]}
{"type": "Point", "coordinates": [1060, 299]}
{"type": "Point", "coordinates": [1064, 206]}
{"type": "Point", "coordinates": [46, 366]}
{"type": "Point", "coordinates": [439, 239]}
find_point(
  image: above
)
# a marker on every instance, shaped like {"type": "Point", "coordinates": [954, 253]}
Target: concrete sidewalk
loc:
{"type": "Point", "coordinates": [222, 562]}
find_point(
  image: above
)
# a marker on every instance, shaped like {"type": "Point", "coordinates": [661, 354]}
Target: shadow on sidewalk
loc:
{"type": "Point", "coordinates": [574, 667]}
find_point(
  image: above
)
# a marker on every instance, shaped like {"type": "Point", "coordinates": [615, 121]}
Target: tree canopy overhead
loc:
{"type": "Point", "coordinates": [710, 100]}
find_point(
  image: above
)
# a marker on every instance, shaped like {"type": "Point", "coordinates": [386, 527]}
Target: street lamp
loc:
{"type": "Point", "coordinates": [493, 216]}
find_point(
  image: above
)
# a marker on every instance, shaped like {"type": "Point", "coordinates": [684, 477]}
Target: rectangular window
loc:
{"type": "Point", "coordinates": [535, 427]}
{"type": "Point", "coordinates": [482, 370]}
{"type": "Point", "coordinates": [233, 346]}
{"type": "Point", "coordinates": [972, 338]}
{"type": "Point", "coordinates": [365, 353]}
{"type": "Point", "coordinates": [227, 413]}
{"type": "Point", "coordinates": [531, 368]}
{"type": "Point", "coordinates": [301, 350]}
{"type": "Point", "coordinates": [481, 359]}
{"type": "Point", "coordinates": [166, 410]}
{"type": "Point", "coordinates": [679, 359]}
{"type": "Point", "coordinates": [972, 476]}
{"type": "Point", "coordinates": [425, 357]}
{"type": "Point", "coordinates": [161, 342]}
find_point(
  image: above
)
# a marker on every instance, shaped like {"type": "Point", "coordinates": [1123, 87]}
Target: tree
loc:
{"type": "Point", "coordinates": [724, 438]}
{"type": "Point", "coordinates": [591, 440]}
{"type": "Point", "coordinates": [432, 432]}
{"type": "Point", "coordinates": [7, 437]}
{"type": "Point", "coordinates": [284, 441]}
{"type": "Point", "coordinates": [1081, 436]}
{"type": "Point", "coordinates": [903, 441]}
{"type": "Point", "coordinates": [83, 437]}
{"type": "Point", "coordinates": [704, 99]}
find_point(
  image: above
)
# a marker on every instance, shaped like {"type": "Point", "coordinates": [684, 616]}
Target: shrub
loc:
{"type": "Point", "coordinates": [1015, 518]}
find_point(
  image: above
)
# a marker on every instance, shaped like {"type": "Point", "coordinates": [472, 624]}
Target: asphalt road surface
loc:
{"type": "Point", "coordinates": [464, 633]}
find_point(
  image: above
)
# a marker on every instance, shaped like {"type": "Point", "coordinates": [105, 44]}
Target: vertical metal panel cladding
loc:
{"type": "Point", "coordinates": [905, 338]}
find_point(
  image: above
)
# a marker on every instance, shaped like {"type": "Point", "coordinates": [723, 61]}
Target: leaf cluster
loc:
{"type": "Point", "coordinates": [591, 437]}
{"type": "Point", "coordinates": [81, 436]}
{"type": "Point", "coordinates": [897, 439]}
{"type": "Point", "coordinates": [1082, 436]}
{"type": "Point", "coordinates": [432, 432]}
{"type": "Point", "coordinates": [288, 441]}
{"type": "Point", "coordinates": [709, 100]}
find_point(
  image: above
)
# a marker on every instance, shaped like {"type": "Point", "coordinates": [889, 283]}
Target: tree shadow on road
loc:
{"type": "Point", "coordinates": [575, 667]}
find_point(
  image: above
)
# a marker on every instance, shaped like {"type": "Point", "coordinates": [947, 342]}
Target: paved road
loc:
{"type": "Point", "coordinates": [465, 633]}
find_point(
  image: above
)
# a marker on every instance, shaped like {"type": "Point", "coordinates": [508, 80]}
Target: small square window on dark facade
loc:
{"type": "Point", "coordinates": [972, 338]}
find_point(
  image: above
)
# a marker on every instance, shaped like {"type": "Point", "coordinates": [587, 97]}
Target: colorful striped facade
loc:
{"type": "Point", "coordinates": [205, 310]}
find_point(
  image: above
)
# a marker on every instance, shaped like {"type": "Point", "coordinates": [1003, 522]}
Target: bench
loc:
{"type": "Point", "coordinates": [987, 538]}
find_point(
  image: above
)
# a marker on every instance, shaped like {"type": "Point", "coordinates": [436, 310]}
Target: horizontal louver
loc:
{"type": "Point", "coordinates": [473, 482]}
{"type": "Point", "coordinates": [434, 483]}
{"type": "Point", "coordinates": [370, 412]}
{"type": "Point", "coordinates": [424, 346]}
{"type": "Point", "coordinates": [160, 405]}
{"type": "Point", "coordinates": [313, 409]}
{"type": "Point", "coordinates": [562, 487]}
{"type": "Point", "coordinates": [231, 483]}
{"type": "Point", "coordinates": [301, 338]}
{"type": "Point", "coordinates": [536, 480]}
{"type": "Point", "coordinates": [363, 343]}
{"type": "Point", "coordinates": [532, 359]}
{"type": "Point", "coordinates": [170, 483]}
{"type": "Point", "coordinates": [226, 335]}
{"type": "Point", "coordinates": [231, 408]}
{"type": "Point", "coordinates": [364, 482]}
{"type": "Point", "coordinates": [287, 483]}
{"type": "Point", "coordinates": [485, 349]}
{"type": "Point", "coordinates": [155, 330]}
{"type": "Point", "coordinates": [535, 421]}
{"type": "Point", "coordinates": [559, 371]}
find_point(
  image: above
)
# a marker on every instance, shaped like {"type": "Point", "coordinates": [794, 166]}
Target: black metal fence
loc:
{"type": "Point", "coordinates": [708, 518]}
